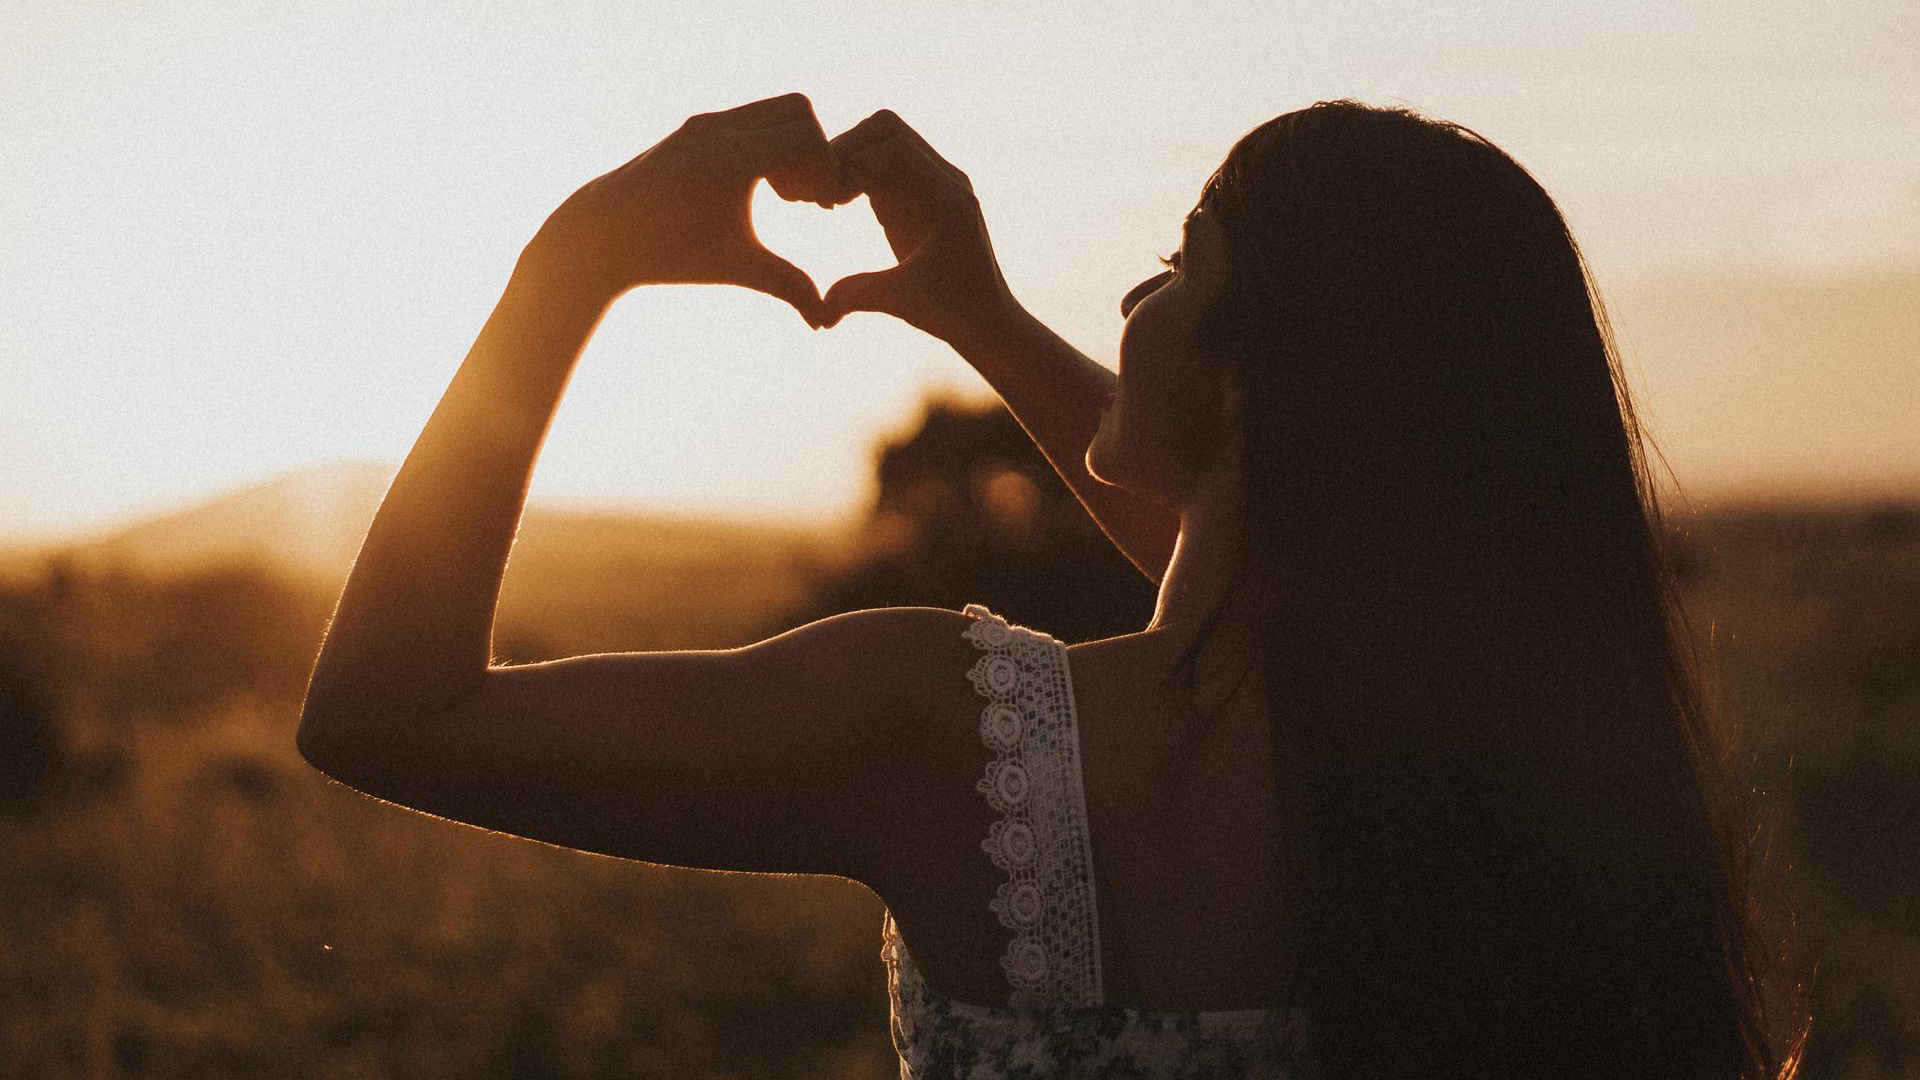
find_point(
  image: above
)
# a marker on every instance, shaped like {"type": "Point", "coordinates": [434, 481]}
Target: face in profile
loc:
{"type": "Point", "coordinates": [1156, 433]}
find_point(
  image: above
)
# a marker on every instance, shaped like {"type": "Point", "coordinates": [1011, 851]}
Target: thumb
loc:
{"type": "Point", "coordinates": [775, 276]}
{"type": "Point", "coordinates": [856, 292]}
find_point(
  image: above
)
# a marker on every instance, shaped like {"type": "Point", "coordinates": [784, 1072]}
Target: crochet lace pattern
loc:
{"type": "Point", "coordinates": [1034, 781]}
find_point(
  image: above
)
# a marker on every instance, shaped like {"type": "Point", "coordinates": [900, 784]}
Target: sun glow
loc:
{"type": "Point", "coordinates": [244, 239]}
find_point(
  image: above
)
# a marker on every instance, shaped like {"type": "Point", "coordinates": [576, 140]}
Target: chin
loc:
{"type": "Point", "coordinates": [1100, 464]}
{"type": "Point", "coordinates": [1114, 471]}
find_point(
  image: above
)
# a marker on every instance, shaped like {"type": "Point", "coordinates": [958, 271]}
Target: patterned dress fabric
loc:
{"type": "Point", "coordinates": [1055, 1024]}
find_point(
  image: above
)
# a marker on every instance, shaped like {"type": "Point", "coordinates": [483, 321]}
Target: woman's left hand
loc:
{"type": "Point", "coordinates": [682, 211]}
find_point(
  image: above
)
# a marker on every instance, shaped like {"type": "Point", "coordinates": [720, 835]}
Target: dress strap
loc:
{"type": "Point", "coordinates": [1041, 839]}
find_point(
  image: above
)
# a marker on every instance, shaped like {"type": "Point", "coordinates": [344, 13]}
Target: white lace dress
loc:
{"type": "Point", "coordinates": [1055, 1023]}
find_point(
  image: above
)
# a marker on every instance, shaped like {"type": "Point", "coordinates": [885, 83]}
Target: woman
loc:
{"type": "Point", "coordinates": [1408, 773]}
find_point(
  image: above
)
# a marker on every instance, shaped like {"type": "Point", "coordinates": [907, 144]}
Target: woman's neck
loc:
{"type": "Point", "coordinates": [1200, 576]}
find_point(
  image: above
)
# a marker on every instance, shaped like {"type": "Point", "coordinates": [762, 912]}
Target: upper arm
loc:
{"type": "Point", "coordinates": [781, 756]}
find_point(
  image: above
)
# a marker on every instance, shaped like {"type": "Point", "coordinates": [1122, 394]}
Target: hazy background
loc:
{"type": "Point", "coordinates": [244, 247]}
{"type": "Point", "coordinates": [242, 238]}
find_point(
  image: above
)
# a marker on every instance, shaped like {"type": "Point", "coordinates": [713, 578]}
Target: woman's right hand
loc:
{"type": "Point", "coordinates": [947, 282]}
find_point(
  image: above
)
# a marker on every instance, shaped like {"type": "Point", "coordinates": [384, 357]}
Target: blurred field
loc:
{"type": "Point", "coordinates": [181, 896]}
{"type": "Point", "coordinates": [1810, 620]}
{"type": "Point", "coordinates": [184, 897]}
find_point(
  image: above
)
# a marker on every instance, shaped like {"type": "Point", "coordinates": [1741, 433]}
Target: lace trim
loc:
{"type": "Point", "coordinates": [1040, 840]}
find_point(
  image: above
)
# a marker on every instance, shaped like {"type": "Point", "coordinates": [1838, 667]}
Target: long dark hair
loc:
{"type": "Point", "coordinates": [1519, 836]}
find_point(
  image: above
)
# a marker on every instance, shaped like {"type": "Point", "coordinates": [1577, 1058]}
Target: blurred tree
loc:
{"type": "Point", "coordinates": [179, 643]}
{"type": "Point", "coordinates": [967, 510]}
{"type": "Point", "coordinates": [33, 751]}
{"type": "Point", "coordinates": [113, 644]}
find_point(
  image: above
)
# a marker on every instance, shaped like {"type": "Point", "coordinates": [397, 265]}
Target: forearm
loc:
{"type": "Point", "coordinates": [1058, 393]}
{"type": "Point", "coordinates": [413, 627]}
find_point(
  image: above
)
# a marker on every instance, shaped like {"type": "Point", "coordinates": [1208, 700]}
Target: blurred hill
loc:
{"type": "Point", "coordinates": [307, 523]}
{"type": "Point", "coordinates": [591, 580]}
{"type": "Point", "coordinates": [183, 896]}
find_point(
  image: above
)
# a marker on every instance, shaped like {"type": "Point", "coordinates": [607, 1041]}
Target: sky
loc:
{"type": "Point", "coordinates": [238, 239]}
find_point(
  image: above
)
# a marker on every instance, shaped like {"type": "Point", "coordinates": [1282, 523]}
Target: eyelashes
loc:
{"type": "Point", "coordinates": [1144, 289]}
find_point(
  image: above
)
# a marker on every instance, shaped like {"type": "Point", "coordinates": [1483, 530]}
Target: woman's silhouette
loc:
{"type": "Point", "coordinates": [1407, 776]}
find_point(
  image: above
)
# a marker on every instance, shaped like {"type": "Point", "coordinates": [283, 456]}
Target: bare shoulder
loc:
{"type": "Point", "coordinates": [916, 658]}
{"type": "Point", "coordinates": [894, 651]}
{"type": "Point", "coordinates": [788, 755]}
{"type": "Point", "coordinates": [903, 629]}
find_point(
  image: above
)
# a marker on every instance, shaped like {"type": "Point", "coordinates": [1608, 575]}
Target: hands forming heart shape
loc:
{"type": "Point", "coordinates": [681, 212]}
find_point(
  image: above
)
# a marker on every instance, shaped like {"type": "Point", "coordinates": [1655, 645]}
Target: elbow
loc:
{"type": "Point", "coordinates": [337, 729]}
{"type": "Point", "coordinates": [341, 746]}
{"type": "Point", "coordinates": [327, 713]}
{"type": "Point", "coordinates": [319, 739]}
{"type": "Point", "coordinates": [358, 702]}
{"type": "Point", "coordinates": [360, 738]}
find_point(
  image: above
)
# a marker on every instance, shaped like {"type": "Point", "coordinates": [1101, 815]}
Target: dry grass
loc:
{"type": "Point", "coordinates": [192, 900]}
{"type": "Point", "coordinates": [229, 912]}
{"type": "Point", "coordinates": [188, 899]}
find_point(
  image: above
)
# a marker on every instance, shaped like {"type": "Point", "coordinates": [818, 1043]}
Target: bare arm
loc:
{"type": "Point", "coordinates": [790, 755]}
{"type": "Point", "coordinates": [412, 630]}
{"type": "Point", "coordinates": [1057, 393]}
{"type": "Point", "coordinates": [949, 285]}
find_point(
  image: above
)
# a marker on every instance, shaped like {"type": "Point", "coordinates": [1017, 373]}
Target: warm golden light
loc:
{"type": "Point", "coordinates": [245, 247]}
{"type": "Point", "coordinates": [243, 239]}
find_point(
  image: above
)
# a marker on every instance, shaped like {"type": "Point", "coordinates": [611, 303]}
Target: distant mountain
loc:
{"type": "Point", "coordinates": [308, 522]}
{"type": "Point", "coordinates": [578, 580]}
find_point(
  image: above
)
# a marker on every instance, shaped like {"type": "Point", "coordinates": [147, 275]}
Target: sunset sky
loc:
{"type": "Point", "coordinates": [242, 238]}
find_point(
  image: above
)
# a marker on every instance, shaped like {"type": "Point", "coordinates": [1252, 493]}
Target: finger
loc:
{"type": "Point", "coordinates": [767, 112]}
{"type": "Point", "coordinates": [892, 161]}
{"type": "Point", "coordinates": [857, 150]}
{"type": "Point", "coordinates": [902, 130]}
{"type": "Point", "coordinates": [856, 292]}
{"type": "Point", "coordinates": [843, 146]}
{"type": "Point", "coordinates": [775, 276]}
{"type": "Point", "coordinates": [794, 157]}
{"type": "Point", "coordinates": [886, 125]}
{"type": "Point", "coordinates": [895, 166]}
{"type": "Point", "coordinates": [887, 164]}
